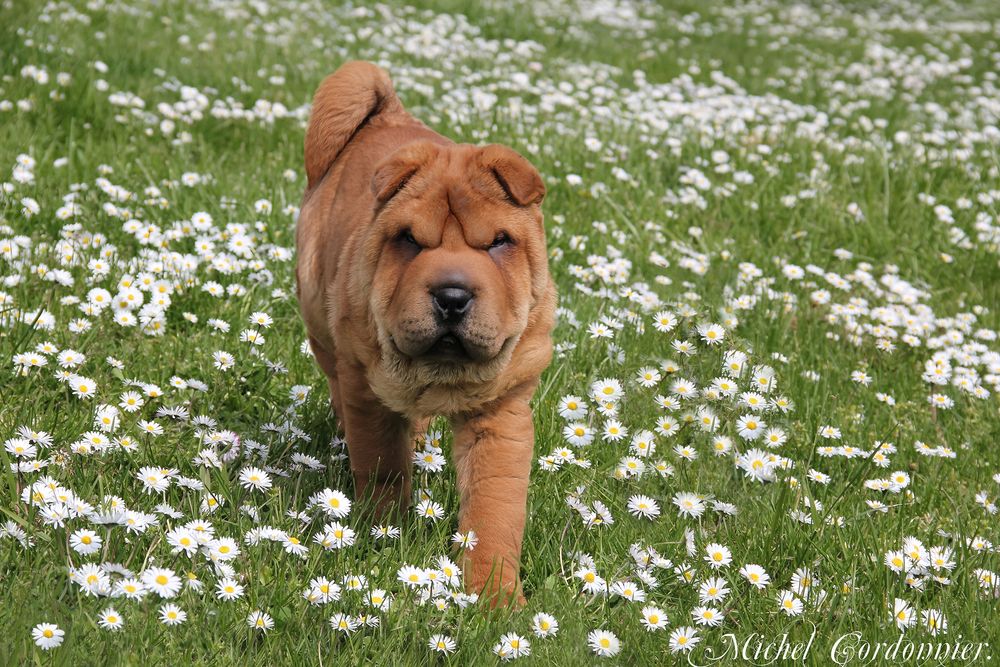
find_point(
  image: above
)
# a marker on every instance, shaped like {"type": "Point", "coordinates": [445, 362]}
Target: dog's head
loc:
{"type": "Point", "coordinates": [458, 256]}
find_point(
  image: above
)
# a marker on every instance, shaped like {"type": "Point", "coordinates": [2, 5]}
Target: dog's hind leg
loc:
{"type": "Point", "coordinates": [328, 364]}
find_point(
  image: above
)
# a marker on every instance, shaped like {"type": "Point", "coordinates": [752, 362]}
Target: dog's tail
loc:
{"type": "Point", "coordinates": [344, 103]}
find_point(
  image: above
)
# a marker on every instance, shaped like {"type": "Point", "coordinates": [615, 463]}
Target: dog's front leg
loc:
{"type": "Point", "coordinates": [379, 444]}
{"type": "Point", "coordinates": [493, 452]}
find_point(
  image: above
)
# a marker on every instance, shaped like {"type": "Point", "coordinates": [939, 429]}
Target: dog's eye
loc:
{"type": "Point", "coordinates": [407, 237]}
{"type": "Point", "coordinates": [500, 241]}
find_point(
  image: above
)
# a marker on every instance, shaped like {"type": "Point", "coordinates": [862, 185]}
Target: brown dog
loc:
{"type": "Point", "coordinates": [423, 282]}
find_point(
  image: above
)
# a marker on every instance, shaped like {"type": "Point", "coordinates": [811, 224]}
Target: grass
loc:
{"type": "Point", "coordinates": [151, 51]}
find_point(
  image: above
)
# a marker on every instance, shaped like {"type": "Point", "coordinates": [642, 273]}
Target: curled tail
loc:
{"type": "Point", "coordinates": [343, 104]}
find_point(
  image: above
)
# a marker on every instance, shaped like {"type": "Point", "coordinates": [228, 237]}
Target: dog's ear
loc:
{"type": "Point", "coordinates": [520, 181]}
{"type": "Point", "coordinates": [395, 171]}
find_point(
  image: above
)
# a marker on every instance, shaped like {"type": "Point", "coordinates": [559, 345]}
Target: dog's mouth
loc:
{"type": "Point", "coordinates": [447, 347]}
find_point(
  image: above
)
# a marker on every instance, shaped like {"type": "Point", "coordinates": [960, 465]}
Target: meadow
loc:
{"type": "Point", "coordinates": [772, 413]}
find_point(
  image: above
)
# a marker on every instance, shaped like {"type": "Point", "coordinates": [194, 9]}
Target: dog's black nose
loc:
{"type": "Point", "coordinates": [451, 303]}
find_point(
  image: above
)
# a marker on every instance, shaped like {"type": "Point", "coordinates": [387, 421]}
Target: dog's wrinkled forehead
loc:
{"type": "Point", "coordinates": [460, 178]}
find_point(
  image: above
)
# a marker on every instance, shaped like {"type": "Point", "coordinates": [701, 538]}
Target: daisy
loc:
{"type": "Point", "coordinates": [228, 590]}
{"type": "Point", "coordinates": [293, 545]}
{"type": "Point", "coordinates": [259, 620]}
{"type": "Point", "coordinates": [718, 556]}
{"type": "Point", "coordinates": [578, 434]}
{"type": "Point", "coordinates": [683, 639]}
{"type": "Point", "coordinates": [378, 599]}
{"type": "Point", "coordinates": [712, 334]}
{"type": "Point", "coordinates": [592, 582]}
{"type": "Point", "coordinates": [628, 590]}
{"type": "Point", "coordinates": [830, 432]}
{"type": "Point", "coordinates": [664, 321]}
{"type": "Point", "coordinates": [47, 635]}
{"type": "Point", "coordinates": [774, 437]}
{"type": "Point", "coordinates": [940, 401]}
{"type": "Point", "coordinates": [684, 347]}
{"type": "Point", "coordinates": [441, 644]}
{"type": "Point", "coordinates": [614, 431]}
{"type": "Point", "coordinates": [605, 644]}
{"type": "Point", "coordinates": [382, 532]}
{"type": "Point", "coordinates": [171, 614]}
{"type": "Point", "coordinates": [600, 330]}
{"type": "Point", "coordinates": [666, 426]}
{"type": "Point", "coordinates": [109, 619]}
{"type": "Point", "coordinates": [713, 589]}
{"type": "Point", "coordinates": [131, 588]}
{"type": "Point", "coordinates": [668, 402]}
{"type": "Point", "coordinates": [83, 387]}
{"type": "Point", "coordinates": [934, 621]}
{"type": "Point", "coordinates": [903, 614]}
{"type": "Point", "coordinates": [412, 576]}
{"type": "Point", "coordinates": [707, 419]}
{"type": "Point", "coordinates": [756, 465]}
{"type": "Point", "coordinates": [85, 542]}
{"type": "Point", "coordinates": [161, 581]}
{"type": "Point", "coordinates": [428, 509]}
{"type": "Point", "coordinates": [322, 591]}
{"type": "Point", "coordinates": [683, 388]}
{"type": "Point", "coordinates": [183, 539]}
{"type": "Point", "coordinates": [643, 506]}
{"type": "Point", "coordinates": [252, 336]}
{"type": "Point", "coordinates": [450, 570]}
{"type": "Point", "coordinates": [223, 549]}
{"type": "Point", "coordinates": [789, 603]}
{"type": "Point", "coordinates": [572, 407]}
{"type": "Point", "coordinates": [544, 625]}
{"type": "Point", "coordinates": [223, 360]}
{"type": "Point", "coordinates": [150, 427]}
{"type": "Point", "coordinates": [255, 479]}
{"type": "Point", "coordinates": [916, 551]}
{"type": "Point", "coordinates": [334, 503]}
{"type": "Point", "coordinates": [750, 427]}
{"type": "Point", "coordinates": [942, 558]}
{"type": "Point", "coordinates": [686, 453]}
{"type": "Point", "coordinates": [339, 536]}
{"type": "Point", "coordinates": [513, 646]}
{"type": "Point", "coordinates": [261, 319]}
{"type": "Point", "coordinates": [467, 540]}
{"type": "Point", "coordinates": [653, 618]}
{"type": "Point", "coordinates": [153, 480]}
{"type": "Point", "coordinates": [818, 477]}
{"type": "Point", "coordinates": [648, 377]}
{"type": "Point", "coordinates": [606, 390]}
{"type": "Point", "coordinates": [707, 616]}
{"type": "Point", "coordinates": [689, 504]}
{"type": "Point", "coordinates": [343, 623]}
{"type": "Point", "coordinates": [756, 575]}
{"type": "Point", "coordinates": [733, 363]}
{"type": "Point", "coordinates": [722, 445]}
{"type": "Point", "coordinates": [764, 379]}
{"type": "Point", "coordinates": [861, 378]}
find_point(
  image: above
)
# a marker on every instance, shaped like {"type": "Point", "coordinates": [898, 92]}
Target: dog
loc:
{"type": "Point", "coordinates": [422, 277]}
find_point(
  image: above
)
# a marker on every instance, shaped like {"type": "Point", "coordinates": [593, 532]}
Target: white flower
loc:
{"type": "Point", "coordinates": [259, 620]}
{"type": "Point", "coordinates": [255, 479]}
{"type": "Point", "coordinates": [47, 635]}
{"type": "Point", "coordinates": [603, 643]}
